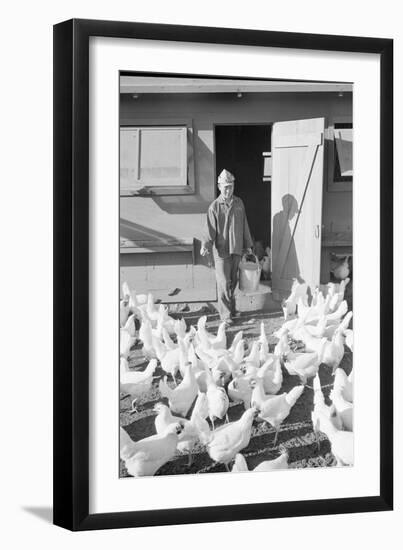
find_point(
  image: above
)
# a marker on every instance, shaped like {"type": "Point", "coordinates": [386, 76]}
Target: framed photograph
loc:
{"type": "Point", "coordinates": [223, 202]}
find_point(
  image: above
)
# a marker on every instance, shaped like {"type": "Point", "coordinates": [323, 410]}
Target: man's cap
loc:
{"type": "Point", "coordinates": [226, 178]}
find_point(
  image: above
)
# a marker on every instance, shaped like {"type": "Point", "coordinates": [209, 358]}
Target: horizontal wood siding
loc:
{"type": "Point", "coordinates": [161, 273]}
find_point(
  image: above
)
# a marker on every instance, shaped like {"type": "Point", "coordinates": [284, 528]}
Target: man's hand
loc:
{"type": "Point", "coordinates": [203, 251]}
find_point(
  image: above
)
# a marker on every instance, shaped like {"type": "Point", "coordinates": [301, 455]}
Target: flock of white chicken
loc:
{"type": "Point", "coordinates": [204, 374]}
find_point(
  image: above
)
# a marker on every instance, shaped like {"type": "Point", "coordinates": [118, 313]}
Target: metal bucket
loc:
{"type": "Point", "coordinates": [249, 273]}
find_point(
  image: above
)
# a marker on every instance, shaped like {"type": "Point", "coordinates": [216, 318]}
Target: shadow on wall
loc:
{"type": "Point", "coordinates": [44, 513]}
{"type": "Point", "coordinates": [285, 259]}
{"type": "Point", "coordinates": [135, 232]}
{"type": "Point", "coordinates": [180, 204]}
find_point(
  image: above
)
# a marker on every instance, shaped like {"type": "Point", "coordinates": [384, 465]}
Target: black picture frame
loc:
{"type": "Point", "coordinates": [71, 273]}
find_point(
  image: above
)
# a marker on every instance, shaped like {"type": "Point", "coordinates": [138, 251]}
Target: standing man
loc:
{"type": "Point", "coordinates": [228, 234]}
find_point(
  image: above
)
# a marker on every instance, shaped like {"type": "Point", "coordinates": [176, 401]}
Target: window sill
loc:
{"type": "Point", "coordinates": [146, 247]}
{"type": "Point", "coordinates": [157, 191]}
{"type": "Point", "coordinates": [339, 186]}
{"type": "Point", "coordinates": [337, 239]}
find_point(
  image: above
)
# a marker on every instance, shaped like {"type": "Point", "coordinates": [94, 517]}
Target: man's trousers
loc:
{"type": "Point", "coordinates": [226, 270]}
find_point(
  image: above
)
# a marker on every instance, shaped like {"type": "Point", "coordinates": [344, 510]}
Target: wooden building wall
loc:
{"type": "Point", "coordinates": [182, 217]}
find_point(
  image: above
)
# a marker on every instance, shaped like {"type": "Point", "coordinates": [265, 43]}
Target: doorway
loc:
{"type": "Point", "coordinates": [239, 149]}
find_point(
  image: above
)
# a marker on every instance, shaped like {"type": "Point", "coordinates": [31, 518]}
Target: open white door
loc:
{"type": "Point", "coordinates": [297, 181]}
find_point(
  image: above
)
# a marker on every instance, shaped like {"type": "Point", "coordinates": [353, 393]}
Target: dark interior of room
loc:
{"type": "Point", "coordinates": [240, 149]}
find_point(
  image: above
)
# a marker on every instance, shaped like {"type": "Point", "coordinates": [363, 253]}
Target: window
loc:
{"type": "Point", "coordinates": [343, 152]}
{"type": "Point", "coordinates": [267, 166]}
{"type": "Point", "coordinates": [340, 154]}
{"type": "Point", "coordinates": [156, 160]}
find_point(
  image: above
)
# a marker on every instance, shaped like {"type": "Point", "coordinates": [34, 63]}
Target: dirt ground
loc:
{"type": "Point", "coordinates": [296, 434]}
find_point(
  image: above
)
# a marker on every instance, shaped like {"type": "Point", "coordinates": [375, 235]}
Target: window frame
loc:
{"type": "Point", "coordinates": [161, 190]}
{"type": "Point", "coordinates": [332, 184]}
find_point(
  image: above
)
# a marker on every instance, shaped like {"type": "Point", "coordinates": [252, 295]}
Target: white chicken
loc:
{"type": "Point", "coordinates": [166, 320]}
{"type": "Point", "coordinates": [273, 409]}
{"type": "Point", "coordinates": [342, 398]}
{"type": "Point", "coordinates": [298, 292]}
{"type": "Point", "coordinates": [333, 351]}
{"type": "Point", "coordinates": [130, 325]}
{"type": "Point", "coordinates": [223, 369]}
{"type": "Point", "coordinates": [313, 314]}
{"type": "Point", "coordinates": [279, 463]}
{"type": "Point", "coordinates": [344, 383]}
{"type": "Point", "coordinates": [125, 290]}
{"type": "Point", "coordinates": [192, 429]}
{"type": "Point", "coordinates": [282, 347]}
{"type": "Point", "coordinates": [181, 398]}
{"type": "Point", "coordinates": [170, 344]}
{"type": "Point", "coordinates": [334, 325]}
{"type": "Point", "coordinates": [342, 290]}
{"type": "Point", "coordinates": [126, 343]}
{"type": "Point", "coordinates": [318, 330]}
{"type": "Point", "coordinates": [237, 338]}
{"type": "Point", "coordinates": [152, 311]}
{"type": "Point", "coordinates": [135, 300]}
{"type": "Point", "coordinates": [189, 335]}
{"type": "Point", "coordinates": [146, 336]}
{"type": "Point", "coordinates": [238, 392]}
{"type": "Point", "coordinates": [124, 310]}
{"type": "Point", "coordinates": [164, 418]}
{"type": "Point", "coordinates": [272, 375]}
{"type": "Point", "coordinates": [159, 347]}
{"type": "Point", "coordinates": [220, 340]}
{"type": "Point", "coordinates": [170, 363]}
{"type": "Point", "coordinates": [183, 357]}
{"type": "Point", "coordinates": [264, 345]}
{"type": "Point", "coordinates": [253, 359]}
{"type": "Point", "coordinates": [202, 372]}
{"type": "Point", "coordinates": [325, 419]}
{"type": "Point", "coordinates": [239, 352]}
{"type": "Point", "coordinates": [210, 355]}
{"type": "Point", "coordinates": [338, 314]}
{"type": "Point", "coordinates": [286, 328]}
{"type": "Point", "coordinates": [316, 296]}
{"type": "Point", "coordinates": [200, 407]}
{"type": "Point", "coordinates": [227, 440]}
{"type": "Point", "coordinates": [180, 328]}
{"type": "Point", "coordinates": [348, 333]}
{"type": "Point", "coordinates": [349, 388]}
{"type": "Point", "coordinates": [217, 400]}
{"type": "Point", "coordinates": [304, 365]}
{"type": "Point", "coordinates": [312, 344]}
{"type": "Point", "coordinates": [202, 336]}
{"type": "Point", "coordinates": [196, 364]}
{"type": "Point", "coordinates": [145, 457]}
{"type": "Point", "coordinates": [343, 408]}
{"type": "Point", "coordinates": [239, 389]}
{"type": "Point", "coordinates": [136, 383]}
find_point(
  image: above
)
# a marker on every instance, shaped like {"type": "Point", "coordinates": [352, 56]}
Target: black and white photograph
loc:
{"type": "Point", "coordinates": [236, 275]}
